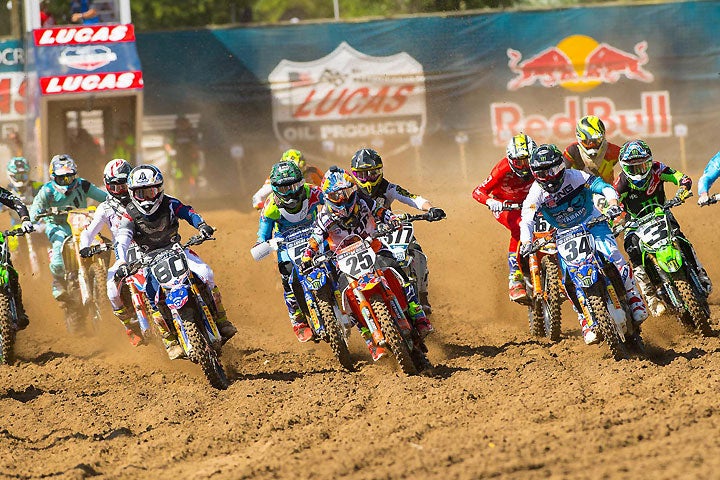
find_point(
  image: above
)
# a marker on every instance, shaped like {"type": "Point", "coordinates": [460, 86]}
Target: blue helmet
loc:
{"type": "Point", "coordinates": [340, 191]}
{"type": "Point", "coordinates": [63, 172]}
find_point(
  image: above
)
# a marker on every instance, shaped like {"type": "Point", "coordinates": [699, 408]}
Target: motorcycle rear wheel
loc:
{"type": "Point", "coordinates": [7, 332]}
{"type": "Point", "coordinates": [324, 298]}
{"type": "Point", "coordinates": [392, 335]}
{"type": "Point", "coordinates": [204, 355]}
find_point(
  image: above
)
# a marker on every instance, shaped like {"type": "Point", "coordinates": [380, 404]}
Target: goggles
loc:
{"type": "Point", "coordinates": [147, 193]}
{"type": "Point", "coordinates": [638, 167]}
{"type": "Point", "coordinates": [550, 173]}
{"type": "Point", "coordinates": [19, 176]}
{"type": "Point", "coordinates": [592, 143]}
{"type": "Point", "coordinates": [288, 189]}
{"type": "Point", "coordinates": [368, 175]}
{"type": "Point", "coordinates": [117, 188]}
{"type": "Point", "coordinates": [64, 180]}
{"type": "Point", "coordinates": [341, 196]}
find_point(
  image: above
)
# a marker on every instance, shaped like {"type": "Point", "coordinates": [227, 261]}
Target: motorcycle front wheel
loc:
{"type": "Point", "coordinates": [324, 298]}
{"type": "Point", "coordinates": [393, 337]}
{"type": "Point", "coordinates": [7, 331]}
{"type": "Point", "coordinates": [204, 354]}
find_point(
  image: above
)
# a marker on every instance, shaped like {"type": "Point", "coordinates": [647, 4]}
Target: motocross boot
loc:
{"type": "Point", "coordinates": [226, 328]}
{"type": "Point", "coordinates": [132, 329]}
{"type": "Point", "coordinates": [637, 306]}
{"type": "Point", "coordinates": [59, 290]}
{"type": "Point", "coordinates": [415, 312]}
{"type": "Point", "coordinates": [302, 330]}
{"type": "Point", "coordinates": [588, 332]}
{"type": "Point", "coordinates": [517, 288]}
{"type": "Point", "coordinates": [169, 340]}
{"type": "Point", "coordinates": [427, 308]}
{"type": "Point", "coordinates": [654, 304]}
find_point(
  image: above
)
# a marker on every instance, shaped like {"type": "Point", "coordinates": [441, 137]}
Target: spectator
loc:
{"type": "Point", "coordinates": [125, 143]}
{"type": "Point", "coordinates": [14, 143]}
{"type": "Point", "coordinates": [82, 11]}
{"type": "Point", "coordinates": [184, 147]}
{"type": "Point", "coordinates": [46, 17]}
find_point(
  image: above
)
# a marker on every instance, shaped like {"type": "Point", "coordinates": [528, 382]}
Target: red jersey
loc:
{"type": "Point", "coordinates": [503, 184]}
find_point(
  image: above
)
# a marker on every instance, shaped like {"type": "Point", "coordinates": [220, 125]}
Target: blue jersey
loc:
{"type": "Point", "coordinates": [571, 205]}
{"type": "Point", "coordinates": [274, 219]}
{"type": "Point", "coordinates": [710, 174]}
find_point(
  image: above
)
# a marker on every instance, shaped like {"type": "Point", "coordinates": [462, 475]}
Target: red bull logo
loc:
{"type": "Point", "coordinates": [578, 63]}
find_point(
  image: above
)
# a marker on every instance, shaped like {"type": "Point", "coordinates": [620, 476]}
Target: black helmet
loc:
{"type": "Point", "coordinates": [366, 166]}
{"type": "Point", "coordinates": [548, 167]}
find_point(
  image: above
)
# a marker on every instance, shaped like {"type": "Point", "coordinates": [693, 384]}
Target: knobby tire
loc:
{"type": "Point", "coordinates": [324, 298]}
{"type": "Point", "coordinates": [393, 337]}
{"type": "Point", "coordinates": [204, 354]}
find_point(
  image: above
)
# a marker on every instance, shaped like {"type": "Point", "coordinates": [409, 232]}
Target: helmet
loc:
{"type": "Point", "coordinates": [18, 170]}
{"type": "Point", "coordinates": [288, 185]}
{"type": "Point", "coordinates": [548, 167]}
{"type": "Point", "coordinates": [296, 156]}
{"type": "Point", "coordinates": [63, 172]}
{"type": "Point", "coordinates": [590, 134]}
{"type": "Point", "coordinates": [116, 177]}
{"type": "Point", "coordinates": [519, 149]}
{"type": "Point", "coordinates": [635, 160]}
{"type": "Point", "coordinates": [340, 191]}
{"type": "Point", "coordinates": [146, 188]}
{"type": "Point", "coordinates": [367, 167]}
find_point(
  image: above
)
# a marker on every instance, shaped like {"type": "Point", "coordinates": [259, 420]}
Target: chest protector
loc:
{"type": "Point", "coordinates": [157, 230]}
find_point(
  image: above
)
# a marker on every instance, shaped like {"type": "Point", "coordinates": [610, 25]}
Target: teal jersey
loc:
{"type": "Point", "coordinates": [76, 197]}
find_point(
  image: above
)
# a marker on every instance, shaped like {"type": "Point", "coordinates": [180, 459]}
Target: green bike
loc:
{"type": "Point", "coordinates": [9, 296]}
{"type": "Point", "coordinates": [675, 279]}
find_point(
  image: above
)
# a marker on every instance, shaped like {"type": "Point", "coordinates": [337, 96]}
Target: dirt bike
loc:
{"type": "Point", "coordinates": [543, 282]}
{"type": "Point", "coordinates": [599, 289]}
{"type": "Point", "coordinates": [190, 304]}
{"type": "Point", "coordinates": [376, 298]}
{"type": "Point", "coordinates": [8, 308]}
{"type": "Point", "coordinates": [85, 278]}
{"type": "Point", "coordinates": [675, 280]}
{"type": "Point", "coordinates": [407, 252]}
{"type": "Point", "coordinates": [316, 291]}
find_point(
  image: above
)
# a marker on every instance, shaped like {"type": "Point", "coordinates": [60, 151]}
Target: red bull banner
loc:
{"type": "Point", "coordinates": [332, 87]}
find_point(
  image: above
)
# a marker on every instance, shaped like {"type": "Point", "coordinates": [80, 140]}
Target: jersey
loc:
{"type": "Point", "coordinates": [571, 205]}
{"type": "Point", "coordinates": [503, 184]}
{"type": "Point", "coordinates": [635, 199]}
{"type": "Point", "coordinates": [363, 223]}
{"type": "Point", "coordinates": [108, 214]}
{"type": "Point", "coordinates": [275, 219]}
{"type": "Point", "coordinates": [710, 174]}
{"type": "Point", "coordinates": [12, 201]}
{"type": "Point", "coordinates": [602, 166]}
{"type": "Point", "coordinates": [154, 231]}
{"type": "Point", "coordinates": [76, 197]}
{"type": "Point", "coordinates": [385, 193]}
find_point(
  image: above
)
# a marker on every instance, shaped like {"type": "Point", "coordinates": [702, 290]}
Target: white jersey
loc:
{"type": "Point", "coordinates": [109, 214]}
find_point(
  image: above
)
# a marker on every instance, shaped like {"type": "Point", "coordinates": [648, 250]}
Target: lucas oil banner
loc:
{"type": "Point", "coordinates": [648, 71]}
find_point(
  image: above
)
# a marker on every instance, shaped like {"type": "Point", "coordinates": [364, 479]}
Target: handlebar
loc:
{"type": "Point", "coordinates": [712, 199]}
{"type": "Point", "coordinates": [507, 206]}
{"type": "Point", "coordinates": [132, 268]}
{"type": "Point", "coordinates": [56, 211]}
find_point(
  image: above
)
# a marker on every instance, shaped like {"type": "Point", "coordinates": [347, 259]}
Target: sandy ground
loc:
{"type": "Point", "coordinates": [501, 403]}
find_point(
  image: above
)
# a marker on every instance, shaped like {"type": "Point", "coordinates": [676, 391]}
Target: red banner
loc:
{"type": "Point", "coordinates": [93, 82]}
{"type": "Point", "coordinates": [52, 37]}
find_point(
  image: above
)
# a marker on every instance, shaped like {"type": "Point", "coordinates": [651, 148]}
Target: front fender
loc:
{"type": "Point", "coordinates": [669, 258]}
{"type": "Point", "coordinates": [177, 297]}
{"type": "Point", "coordinates": [314, 280]}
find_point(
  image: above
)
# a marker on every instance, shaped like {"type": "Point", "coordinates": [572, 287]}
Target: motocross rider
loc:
{"type": "Point", "coordinates": [313, 176]}
{"type": "Point", "coordinates": [14, 202]}
{"type": "Point", "coordinates": [293, 203]}
{"type": "Point", "coordinates": [710, 174]}
{"type": "Point", "coordinates": [641, 183]}
{"type": "Point", "coordinates": [565, 198]}
{"type": "Point", "coordinates": [367, 167]}
{"type": "Point", "coordinates": [18, 172]}
{"type": "Point", "coordinates": [151, 220]}
{"type": "Point", "coordinates": [346, 213]}
{"type": "Point", "coordinates": [509, 183]}
{"type": "Point", "coordinates": [65, 189]}
{"type": "Point", "coordinates": [592, 152]}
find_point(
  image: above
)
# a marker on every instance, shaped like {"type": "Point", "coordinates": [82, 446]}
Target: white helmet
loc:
{"type": "Point", "coordinates": [146, 188]}
{"type": "Point", "coordinates": [116, 175]}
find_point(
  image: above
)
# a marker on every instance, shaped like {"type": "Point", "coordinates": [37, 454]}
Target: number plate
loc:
{"type": "Point", "coordinates": [654, 234]}
{"type": "Point", "coordinates": [576, 249]}
{"type": "Point", "coordinates": [169, 267]}
{"type": "Point", "coordinates": [399, 241]}
{"type": "Point", "coordinates": [357, 261]}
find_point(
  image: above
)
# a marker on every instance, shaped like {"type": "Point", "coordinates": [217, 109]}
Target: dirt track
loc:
{"type": "Point", "coordinates": [502, 404]}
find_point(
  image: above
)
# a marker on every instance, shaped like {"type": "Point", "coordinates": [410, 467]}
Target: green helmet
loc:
{"type": "Point", "coordinates": [636, 161]}
{"type": "Point", "coordinates": [18, 170]}
{"type": "Point", "coordinates": [288, 185]}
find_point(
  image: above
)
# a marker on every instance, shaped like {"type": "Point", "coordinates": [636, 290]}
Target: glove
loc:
{"type": "Point", "coordinates": [86, 252]}
{"type": "Point", "coordinates": [306, 261]}
{"type": "Point", "coordinates": [27, 226]}
{"type": "Point", "coordinates": [394, 222]}
{"type": "Point", "coordinates": [495, 206]}
{"type": "Point", "coordinates": [525, 249]}
{"type": "Point", "coordinates": [682, 194]}
{"type": "Point", "coordinates": [436, 214]}
{"type": "Point", "coordinates": [614, 211]}
{"type": "Point", "coordinates": [703, 200]}
{"type": "Point", "coordinates": [121, 273]}
{"type": "Point", "coordinates": [258, 205]}
{"type": "Point", "coordinates": [206, 230]}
